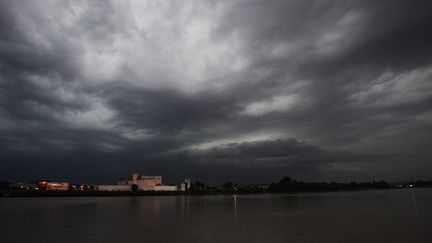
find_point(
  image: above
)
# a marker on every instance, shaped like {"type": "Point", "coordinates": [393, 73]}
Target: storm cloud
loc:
{"type": "Point", "coordinates": [216, 90]}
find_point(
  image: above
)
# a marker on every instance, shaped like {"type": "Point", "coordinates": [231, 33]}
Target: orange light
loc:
{"type": "Point", "coordinates": [43, 184]}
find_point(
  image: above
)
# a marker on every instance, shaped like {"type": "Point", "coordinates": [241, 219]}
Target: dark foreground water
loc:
{"type": "Point", "coordinates": [403, 215]}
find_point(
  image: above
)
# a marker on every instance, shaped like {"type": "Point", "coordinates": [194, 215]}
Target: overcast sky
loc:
{"type": "Point", "coordinates": [245, 91]}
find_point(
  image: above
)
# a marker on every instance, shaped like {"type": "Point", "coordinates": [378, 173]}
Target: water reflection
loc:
{"type": "Point", "coordinates": [235, 206]}
{"type": "Point", "coordinates": [414, 201]}
{"type": "Point", "coordinates": [379, 216]}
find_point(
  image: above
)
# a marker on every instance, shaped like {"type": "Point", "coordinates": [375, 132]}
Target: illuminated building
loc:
{"type": "Point", "coordinates": [54, 186]}
{"type": "Point", "coordinates": [147, 183]}
{"type": "Point", "coordinates": [185, 186]}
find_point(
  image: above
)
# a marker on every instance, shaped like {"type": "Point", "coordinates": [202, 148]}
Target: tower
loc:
{"type": "Point", "coordinates": [135, 177]}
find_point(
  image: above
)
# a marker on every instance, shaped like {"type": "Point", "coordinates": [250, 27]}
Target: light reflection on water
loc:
{"type": "Point", "coordinates": [380, 216]}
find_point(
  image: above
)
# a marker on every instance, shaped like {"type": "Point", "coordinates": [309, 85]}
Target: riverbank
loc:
{"type": "Point", "coordinates": [41, 193]}
{"type": "Point", "coordinates": [33, 193]}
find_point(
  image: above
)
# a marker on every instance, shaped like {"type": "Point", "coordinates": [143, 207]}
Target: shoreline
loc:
{"type": "Point", "coordinates": [10, 194]}
{"type": "Point", "coordinates": [86, 193]}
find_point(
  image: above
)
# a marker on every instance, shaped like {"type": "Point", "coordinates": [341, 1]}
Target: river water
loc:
{"type": "Point", "coordinates": [403, 215]}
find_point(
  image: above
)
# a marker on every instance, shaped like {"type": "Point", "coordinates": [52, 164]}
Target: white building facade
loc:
{"type": "Point", "coordinates": [112, 188]}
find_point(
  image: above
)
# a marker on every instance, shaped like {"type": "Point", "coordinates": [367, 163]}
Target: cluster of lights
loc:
{"type": "Point", "coordinates": [28, 188]}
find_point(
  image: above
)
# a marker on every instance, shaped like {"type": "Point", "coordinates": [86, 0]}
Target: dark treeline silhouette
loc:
{"type": "Point", "coordinates": [4, 184]}
{"type": "Point", "coordinates": [287, 184]}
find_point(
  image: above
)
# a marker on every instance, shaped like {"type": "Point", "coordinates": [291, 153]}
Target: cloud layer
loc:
{"type": "Point", "coordinates": [216, 90]}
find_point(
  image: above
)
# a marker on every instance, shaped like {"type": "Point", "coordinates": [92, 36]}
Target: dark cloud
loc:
{"type": "Point", "coordinates": [290, 154]}
{"type": "Point", "coordinates": [220, 91]}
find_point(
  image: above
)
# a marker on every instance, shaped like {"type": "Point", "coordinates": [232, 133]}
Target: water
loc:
{"type": "Point", "coordinates": [403, 215]}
